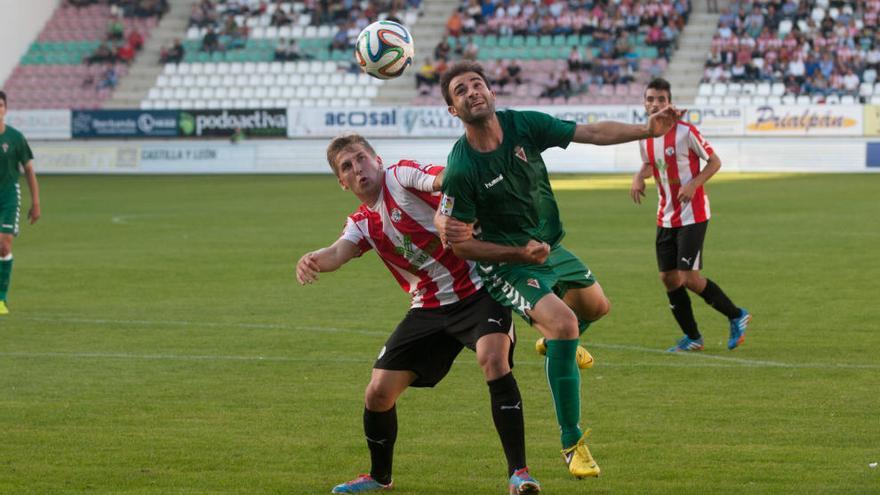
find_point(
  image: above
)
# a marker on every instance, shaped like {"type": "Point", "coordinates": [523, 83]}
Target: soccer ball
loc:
{"type": "Point", "coordinates": [384, 49]}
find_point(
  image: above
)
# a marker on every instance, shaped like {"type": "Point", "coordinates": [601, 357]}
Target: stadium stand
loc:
{"type": "Point", "coordinates": [254, 54]}
{"type": "Point", "coordinates": [555, 52]}
{"type": "Point", "coordinates": [813, 51]}
{"type": "Point", "coordinates": [80, 54]}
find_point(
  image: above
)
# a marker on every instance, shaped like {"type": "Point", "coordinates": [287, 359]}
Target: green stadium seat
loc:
{"type": "Point", "coordinates": [490, 40]}
{"type": "Point", "coordinates": [573, 40]}
{"type": "Point", "coordinates": [517, 41]}
{"type": "Point", "coordinates": [545, 41]}
{"type": "Point", "coordinates": [559, 40]}
{"type": "Point", "coordinates": [531, 41]}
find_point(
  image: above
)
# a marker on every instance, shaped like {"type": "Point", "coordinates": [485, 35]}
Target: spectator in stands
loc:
{"type": "Point", "coordinates": [102, 54]}
{"type": "Point", "coordinates": [426, 77]}
{"type": "Point", "coordinates": [136, 40]}
{"type": "Point", "coordinates": [280, 18]}
{"type": "Point", "coordinates": [233, 36]}
{"type": "Point", "coordinates": [173, 55]}
{"type": "Point", "coordinates": [454, 24]}
{"type": "Point", "coordinates": [471, 49]}
{"type": "Point", "coordinates": [125, 53]}
{"type": "Point", "coordinates": [442, 50]}
{"type": "Point", "coordinates": [109, 79]}
{"type": "Point", "coordinates": [851, 82]}
{"type": "Point", "coordinates": [792, 87]}
{"type": "Point", "coordinates": [115, 29]}
{"type": "Point", "coordinates": [575, 59]}
{"type": "Point", "coordinates": [559, 85]}
{"type": "Point", "coordinates": [197, 16]}
{"type": "Point", "coordinates": [211, 42]}
{"type": "Point", "coordinates": [817, 85]}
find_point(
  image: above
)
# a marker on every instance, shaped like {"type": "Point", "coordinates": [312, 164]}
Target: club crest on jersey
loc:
{"type": "Point", "coordinates": [533, 283]}
{"type": "Point", "coordinates": [669, 151]}
{"type": "Point", "coordinates": [5, 147]}
{"type": "Point", "coordinates": [396, 215]}
{"type": "Point", "coordinates": [520, 153]}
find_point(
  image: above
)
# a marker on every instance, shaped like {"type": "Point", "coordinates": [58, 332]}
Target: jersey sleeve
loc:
{"type": "Point", "coordinates": [643, 150]}
{"type": "Point", "coordinates": [353, 234]}
{"type": "Point", "coordinates": [698, 144]}
{"type": "Point", "coordinates": [459, 193]}
{"type": "Point", "coordinates": [547, 131]}
{"type": "Point", "coordinates": [25, 154]}
{"type": "Point", "coordinates": [413, 175]}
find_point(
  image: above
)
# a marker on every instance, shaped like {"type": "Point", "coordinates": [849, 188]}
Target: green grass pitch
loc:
{"type": "Point", "coordinates": [159, 344]}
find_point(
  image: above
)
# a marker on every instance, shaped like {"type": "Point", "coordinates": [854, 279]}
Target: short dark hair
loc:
{"type": "Point", "coordinates": [3, 96]}
{"type": "Point", "coordinates": [660, 84]}
{"type": "Point", "coordinates": [339, 143]}
{"type": "Point", "coordinates": [457, 70]}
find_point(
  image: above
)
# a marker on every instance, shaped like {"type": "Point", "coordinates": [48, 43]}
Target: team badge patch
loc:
{"type": "Point", "coordinates": [533, 283]}
{"type": "Point", "coordinates": [5, 147]}
{"type": "Point", "coordinates": [669, 151]}
{"type": "Point", "coordinates": [395, 215]}
{"type": "Point", "coordinates": [446, 205]}
{"type": "Point", "coordinates": [521, 154]}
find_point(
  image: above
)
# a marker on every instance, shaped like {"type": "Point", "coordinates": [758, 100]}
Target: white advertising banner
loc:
{"type": "Point", "coordinates": [41, 124]}
{"type": "Point", "coordinates": [824, 120]}
{"type": "Point", "coordinates": [209, 157]}
{"type": "Point", "coordinates": [429, 122]}
{"type": "Point", "coordinates": [329, 122]}
{"type": "Point", "coordinates": [78, 158]}
{"type": "Point", "coordinates": [717, 121]}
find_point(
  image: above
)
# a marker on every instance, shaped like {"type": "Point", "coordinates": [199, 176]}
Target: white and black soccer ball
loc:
{"type": "Point", "coordinates": [384, 49]}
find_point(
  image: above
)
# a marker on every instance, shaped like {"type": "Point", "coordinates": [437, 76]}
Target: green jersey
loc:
{"type": "Point", "coordinates": [508, 189]}
{"type": "Point", "coordinates": [14, 154]}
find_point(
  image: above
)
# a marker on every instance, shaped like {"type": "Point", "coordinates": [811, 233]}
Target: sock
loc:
{"type": "Point", "coordinates": [507, 413]}
{"type": "Point", "coordinates": [680, 304]}
{"type": "Point", "coordinates": [5, 275]}
{"type": "Point", "coordinates": [380, 429]}
{"type": "Point", "coordinates": [715, 297]}
{"type": "Point", "coordinates": [583, 325]}
{"type": "Point", "coordinates": [565, 387]}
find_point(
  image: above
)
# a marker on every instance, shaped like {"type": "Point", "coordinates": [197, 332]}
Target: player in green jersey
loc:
{"type": "Point", "coordinates": [495, 175]}
{"type": "Point", "coordinates": [15, 156]}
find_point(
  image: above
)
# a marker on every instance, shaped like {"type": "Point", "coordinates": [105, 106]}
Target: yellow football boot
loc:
{"type": "Point", "coordinates": [3, 309]}
{"type": "Point", "coordinates": [579, 460]}
{"type": "Point", "coordinates": [584, 358]}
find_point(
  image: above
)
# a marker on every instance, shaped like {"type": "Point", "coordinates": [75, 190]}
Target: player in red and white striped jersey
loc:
{"type": "Point", "coordinates": [449, 308]}
{"type": "Point", "coordinates": [683, 214]}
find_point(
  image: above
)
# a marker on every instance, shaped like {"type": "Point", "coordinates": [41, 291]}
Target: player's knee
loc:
{"type": "Point", "coordinates": [5, 250]}
{"type": "Point", "coordinates": [671, 280]}
{"type": "Point", "coordinates": [494, 364]}
{"type": "Point", "coordinates": [378, 398]}
{"type": "Point", "coordinates": [604, 308]}
{"type": "Point", "coordinates": [564, 326]}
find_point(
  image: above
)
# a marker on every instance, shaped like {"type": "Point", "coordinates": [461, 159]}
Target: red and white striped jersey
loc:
{"type": "Point", "coordinates": [675, 160]}
{"type": "Point", "coordinates": [400, 227]}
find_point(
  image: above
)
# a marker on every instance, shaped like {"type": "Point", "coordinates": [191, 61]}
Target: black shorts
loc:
{"type": "Point", "coordinates": [427, 341]}
{"type": "Point", "coordinates": [681, 248]}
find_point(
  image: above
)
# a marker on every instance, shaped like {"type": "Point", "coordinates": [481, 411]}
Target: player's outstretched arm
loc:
{"type": "Point", "coordinates": [325, 259]}
{"type": "Point", "coordinates": [609, 132]}
{"type": "Point", "coordinates": [535, 252]}
{"type": "Point", "coordinates": [34, 212]}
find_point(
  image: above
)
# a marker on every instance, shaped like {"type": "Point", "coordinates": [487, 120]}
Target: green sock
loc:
{"type": "Point", "coordinates": [565, 387]}
{"type": "Point", "coordinates": [583, 325]}
{"type": "Point", "coordinates": [5, 274]}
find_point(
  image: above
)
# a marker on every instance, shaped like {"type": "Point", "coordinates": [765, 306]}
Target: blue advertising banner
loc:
{"type": "Point", "coordinates": [124, 123]}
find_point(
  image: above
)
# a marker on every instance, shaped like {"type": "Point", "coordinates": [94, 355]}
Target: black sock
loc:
{"type": "Point", "coordinates": [680, 304]}
{"type": "Point", "coordinates": [380, 429]}
{"type": "Point", "coordinates": [507, 413]}
{"type": "Point", "coordinates": [715, 297]}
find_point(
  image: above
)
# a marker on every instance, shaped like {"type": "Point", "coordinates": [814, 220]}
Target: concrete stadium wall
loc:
{"type": "Point", "coordinates": [23, 21]}
{"type": "Point", "coordinates": [742, 154]}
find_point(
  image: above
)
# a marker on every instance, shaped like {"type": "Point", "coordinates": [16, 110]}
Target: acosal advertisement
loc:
{"type": "Point", "coordinates": [219, 123]}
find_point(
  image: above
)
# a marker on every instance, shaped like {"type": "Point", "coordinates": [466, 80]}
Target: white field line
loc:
{"type": "Point", "coordinates": [681, 360]}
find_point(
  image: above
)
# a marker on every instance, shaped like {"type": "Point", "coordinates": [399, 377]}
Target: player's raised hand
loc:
{"type": "Point", "coordinates": [637, 190]}
{"type": "Point", "coordinates": [660, 122]}
{"type": "Point", "coordinates": [536, 252]}
{"type": "Point", "coordinates": [307, 269]}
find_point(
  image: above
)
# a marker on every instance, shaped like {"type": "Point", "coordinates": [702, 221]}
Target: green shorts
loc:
{"type": "Point", "coordinates": [521, 286]}
{"type": "Point", "coordinates": [10, 210]}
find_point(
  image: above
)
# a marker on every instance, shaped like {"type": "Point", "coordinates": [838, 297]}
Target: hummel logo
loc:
{"type": "Point", "coordinates": [494, 181]}
{"type": "Point", "coordinates": [7, 226]}
{"type": "Point", "coordinates": [497, 322]}
{"type": "Point", "coordinates": [515, 406]}
{"type": "Point", "coordinates": [589, 274]}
